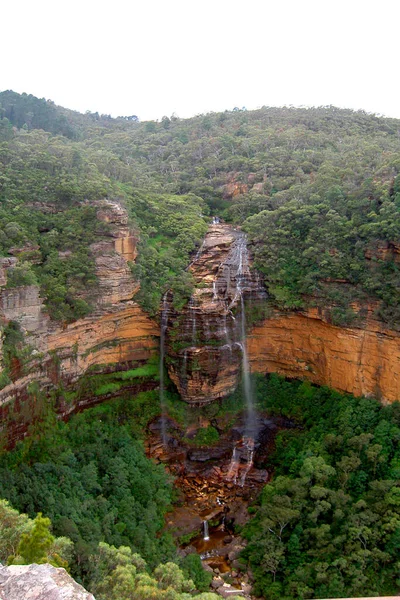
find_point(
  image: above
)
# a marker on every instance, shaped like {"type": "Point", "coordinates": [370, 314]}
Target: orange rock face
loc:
{"type": "Point", "coordinates": [204, 341]}
{"type": "Point", "coordinates": [118, 332]}
{"type": "Point", "coordinates": [362, 361]}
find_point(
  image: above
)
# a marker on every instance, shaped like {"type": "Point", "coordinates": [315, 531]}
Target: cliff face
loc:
{"type": "Point", "coordinates": [116, 283]}
{"type": "Point", "coordinates": [362, 361]}
{"type": "Point", "coordinates": [117, 334]}
{"type": "Point", "coordinates": [204, 339]}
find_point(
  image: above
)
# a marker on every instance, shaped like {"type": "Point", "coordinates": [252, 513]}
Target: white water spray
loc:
{"type": "Point", "coordinates": [206, 535]}
{"type": "Point", "coordinates": [164, 325]}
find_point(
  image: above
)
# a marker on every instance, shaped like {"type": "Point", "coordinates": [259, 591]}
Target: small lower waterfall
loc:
{"type": "Point", "coordinates": [215, 293]}
{"type": "Point", "coordinates": [233, 466]}
{"type": "Point", "coordinates": [164, 325]}
{"type": "Point", "coordinates": [206, 535]}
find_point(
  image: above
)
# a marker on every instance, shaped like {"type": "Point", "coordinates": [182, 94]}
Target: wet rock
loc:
{"type": "Point", "coordinates": [207, 567]}
{"type": "Point", "coordinates": [228, 591]}
{"type": "Point", "coordinates": [39, 582]}
{"type": "Point", "coordinates": [246, 587]}
{"type": "Point", "coordinates": [228, 539]}
{"type": "Point", "coordinates": [188, 550]}
{"type": "Point", "coordinates": [217, 582]}
{"type": "Point", "coordinates": [235, 553]}
{"type": "Point", "coordinates": [208, 363]}
{"type": "Point", "coordinates": [204, 454]}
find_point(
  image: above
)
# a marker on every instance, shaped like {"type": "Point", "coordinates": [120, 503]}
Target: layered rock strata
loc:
{"type": "Point", "coordinates": [204, 340]}
{"type": "Point", "coordinates": [363, 361]}
{"type": "Point", "coordinates": [116, 335]}
{"type": "Point", "coordinates": [204, 345]}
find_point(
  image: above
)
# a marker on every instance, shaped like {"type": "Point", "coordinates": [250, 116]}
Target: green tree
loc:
{"type": "Point", "coordinates": [34, 546]}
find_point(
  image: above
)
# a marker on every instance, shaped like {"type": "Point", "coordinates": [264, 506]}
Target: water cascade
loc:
{"type": "Point", "coordinates": [215, 294]}
{"type": "Point", "coordinates": [164, 325]}
{"type": "Point", "coordinates": [233, 466]}
{"type": "Point", "coordinates": [206, 535]}
{"type": "Point", "coordinates": [251, 427]}
{"type": "Point", "coordinates": [243, 452]}
{"type": "Point", "coordinates": [192, 314]}
{"type": "Point", "coordinates": [208, 343]}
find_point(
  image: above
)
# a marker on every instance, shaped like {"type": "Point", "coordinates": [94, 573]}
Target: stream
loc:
{"type": "Point", "coordinates": [212, 503]}
{"type": "Point", "coordinates": [219, 481]}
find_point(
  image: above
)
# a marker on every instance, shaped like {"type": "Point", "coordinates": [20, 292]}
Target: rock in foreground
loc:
{"type": "Point", "coordinates": [39, 582]}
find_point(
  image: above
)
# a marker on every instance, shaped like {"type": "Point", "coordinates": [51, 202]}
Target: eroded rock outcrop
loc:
{"type": "Point", "coordinates": [39, 582]}
{"type": "Point", "coordinates": [112, 256]}
{"type": "Point", "coordinates": [117, 334]}
{"type": "Point", "coordinates": [24, 305]}
{"type": "Point", "coordinates": [204, 339]}
{"type": "Point", "coordinates": [360, 360]}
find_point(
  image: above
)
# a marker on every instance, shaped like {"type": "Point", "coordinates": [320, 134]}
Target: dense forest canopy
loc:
{"type": "Point", "coordinates": [328, 525]}
{"type": "Point", "coordinates": [317, 190]}
{"type": "Point", "coordinates": [106, 502]}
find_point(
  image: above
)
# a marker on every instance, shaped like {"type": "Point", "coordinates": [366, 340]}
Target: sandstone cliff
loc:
{"type": "Point", "coordinates": [204, 340]}
{"type": "Point", "coordinates": [117, 334]}
{"type": "Point", "coordinates": [362, 361]}
{"type": "Point", "coordinates": [204, 345]}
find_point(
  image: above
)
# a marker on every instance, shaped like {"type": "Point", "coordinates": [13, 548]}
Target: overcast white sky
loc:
{"type": "Point", "coordinates": [153, 58]}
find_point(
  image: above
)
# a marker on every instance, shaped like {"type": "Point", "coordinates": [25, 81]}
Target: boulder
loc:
{"type": "Point", "coordinates": [39, 582]}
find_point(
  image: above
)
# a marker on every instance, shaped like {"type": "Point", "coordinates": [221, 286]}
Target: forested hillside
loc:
{"type": "Point", "coordinates": [316, 189]}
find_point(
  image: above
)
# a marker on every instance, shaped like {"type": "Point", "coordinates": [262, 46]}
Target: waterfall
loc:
{"type": "Point", "coordinates": [215, 293]}
{"type": "Point", "coordinates": [243, 452]}
{"type": "Point", "coordinates": [185, 359]}
{"type": "Point", "coordinates": [233, 466]}
{"type": "Point", "coordinates": [249, 445]}
{"type": "Point", "coordinates": [164, 324]}
{"type": "Point", "coordinates": [226, 335]}
{"type": "Point", "coordinates": [242, 259]}
{"type": "Point", "coordinates": [206, 536]}
{"type": "Point", "coordinates": [192, 313]}
{"type": "Point", "coordinates": [248, 392]}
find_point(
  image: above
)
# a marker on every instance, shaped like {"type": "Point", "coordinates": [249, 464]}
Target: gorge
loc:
{"type": "Point", "coordinates": [204, 341]}
{"type": "Point", "coordinates": [191, 310]}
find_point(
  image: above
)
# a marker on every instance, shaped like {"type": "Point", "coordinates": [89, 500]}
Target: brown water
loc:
{"type": "Point", "coordinates": [207, 491]}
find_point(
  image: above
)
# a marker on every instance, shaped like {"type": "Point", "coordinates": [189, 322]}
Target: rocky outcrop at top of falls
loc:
{"type": "Point", "coordinates": [204, 347]}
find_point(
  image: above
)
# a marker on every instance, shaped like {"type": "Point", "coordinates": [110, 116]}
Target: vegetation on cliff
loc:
{"type": "Point", "coordinates": [328, 524]}
{"type": "Point", "coordinates": [316, 189]}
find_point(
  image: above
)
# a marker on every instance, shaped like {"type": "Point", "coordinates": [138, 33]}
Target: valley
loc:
{"type": "Point", "coordinates": [200, 351]}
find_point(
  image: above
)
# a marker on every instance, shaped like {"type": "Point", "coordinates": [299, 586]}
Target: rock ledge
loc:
{"type": "Point", "coordinates": [39, 582]}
